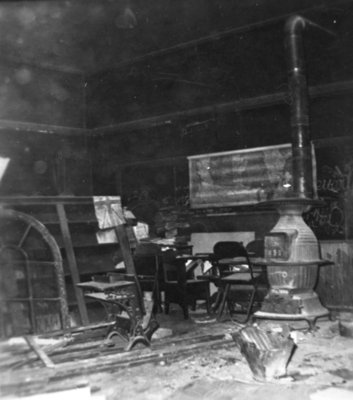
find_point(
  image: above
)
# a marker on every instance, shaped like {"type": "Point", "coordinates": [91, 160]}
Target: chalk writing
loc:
{"type": "Point", "coordinates": [328, 221]}
{"type": "Point", "coordinates": [335, 188]}
{"type": "Point", "coordinates": [335, 181]}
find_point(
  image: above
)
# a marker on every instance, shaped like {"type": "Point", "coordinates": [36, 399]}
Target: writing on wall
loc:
{"type": "Point", "coordinates": [334, 218]}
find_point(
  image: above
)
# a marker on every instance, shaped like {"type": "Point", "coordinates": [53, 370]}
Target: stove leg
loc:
{"type": "Point", "coordinates": [312, 325]}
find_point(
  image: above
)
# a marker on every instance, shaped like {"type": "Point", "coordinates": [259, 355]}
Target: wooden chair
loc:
{"type": "Point", "coordinates": [181, 286]}
{"type": "Point", "coordinates": [221, 250]}
{"type": "Point", "coordinates": [241, 284]}
{"type": "Point", "coordinates": [148, 265]}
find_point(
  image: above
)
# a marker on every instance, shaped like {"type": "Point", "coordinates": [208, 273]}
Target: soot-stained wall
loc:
{"type": "Point", "coordinates": [38, 95]}
{"type": "Point", "coordinates": [245, 65]}
{"type": "Point", "coordinates": [41, 162]}
{"type": "Point", "coordinates": [45, 164]}
{"type": "Point", "coordinates": [232, 67]}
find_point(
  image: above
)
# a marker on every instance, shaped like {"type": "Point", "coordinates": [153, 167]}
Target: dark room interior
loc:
{"type": "Point", "coordinates": [176, 199]}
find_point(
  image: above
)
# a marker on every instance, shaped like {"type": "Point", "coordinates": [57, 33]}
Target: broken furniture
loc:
{"type": "Point", "coordinates": [72, 223]}
{"type": "Point", "coordinates": [238, 275]}
{"type": "Point", "coordinates": [267, 353]}
{"type": "Point", "coordinates": [119, 294]}
{"type": "Point", "coordinates": [32, 286]}
{"type": "Point", "coordinates": [180, 284]}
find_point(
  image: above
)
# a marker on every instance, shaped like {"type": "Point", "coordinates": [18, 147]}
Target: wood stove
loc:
{"type": "Point", "coordinates": [292, 254]}
{"type": "Point", "coordinates": [292, 257]}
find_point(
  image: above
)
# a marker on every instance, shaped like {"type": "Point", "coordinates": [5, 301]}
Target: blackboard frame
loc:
{"type": "Point", "coordinates": [216, 181]}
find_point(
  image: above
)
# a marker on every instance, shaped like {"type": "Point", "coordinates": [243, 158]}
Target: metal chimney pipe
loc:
{"type": "Point", "coordinates": [298, 92]}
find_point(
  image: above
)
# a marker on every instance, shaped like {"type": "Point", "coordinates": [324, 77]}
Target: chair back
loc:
{"type": "Point", "coordinates": [228, 249]}
{"type": "Point", "coordinates": [146, 265]}
{"type": "Point", "coordinates": [256, 248]}
{"type": "Point", "coordinates": [231, 249]}
{"type": "Point", "coordinates": [147, 248]}
{"type": "Point", "coordinates": [170, 273]}
{"type": "Point", "coordinates": [148, 260]}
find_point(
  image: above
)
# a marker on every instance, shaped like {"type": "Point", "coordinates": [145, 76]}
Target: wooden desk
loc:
{"type": "Point", "coordinates": [116, 297]}
{"type": "Point", "coordinates": [104, 287]}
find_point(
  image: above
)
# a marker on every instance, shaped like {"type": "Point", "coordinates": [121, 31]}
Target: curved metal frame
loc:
{"type": "Point", "coordinates": [57, 262]}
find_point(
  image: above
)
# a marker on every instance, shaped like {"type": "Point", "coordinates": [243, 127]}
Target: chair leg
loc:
{"type": "Point", "coordinates": [218, 299]}
{"type": "Point", "coordinates": [208, 302]}
{"type": "Point", "coordinates": [158, 301]}
{"type": "Point", "coordinates": [183, 301]}
{"type": "Point", "coordinates": [223, 301]}
{"type": "Point", "coordinates": [251, 303]}
{"type": "Point", "coordinates": [185, 311]}
{"type": "Point", "coordinates": [166, 306]}
{"type": "Point", "coordinates": [158, 296]}
{"type": "Point", "coordinates": [250, 306]}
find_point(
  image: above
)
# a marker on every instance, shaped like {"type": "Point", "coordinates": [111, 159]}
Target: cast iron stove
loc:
{"type": "Point", "coordinates": [292, 257]}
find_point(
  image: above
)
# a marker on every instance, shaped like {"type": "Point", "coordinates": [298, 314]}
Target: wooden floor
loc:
{"type": "Point", "coordinates": [85, 353]}
{"type": "Point", "coordinates": [193, 359]}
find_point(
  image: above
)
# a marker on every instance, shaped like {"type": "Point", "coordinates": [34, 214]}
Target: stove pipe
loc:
{"type": "Point", "coordinates": [298, 98]}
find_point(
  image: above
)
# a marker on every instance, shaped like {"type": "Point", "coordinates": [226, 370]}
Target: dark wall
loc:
{"type": "Point", "coordinates": [37, 95]}
{"type": "Point", "coordinates": [45, 164]}
{"type": "Point", "coordinates": [232, 67]}
{"type": "Point", "coordinates": [215, 72]}
{"type": "Point", "coordinates": [329, 117]}
{"type": "Point", "coordinates": [42, 163]}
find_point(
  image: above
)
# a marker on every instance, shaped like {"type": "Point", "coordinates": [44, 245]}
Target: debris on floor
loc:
{"type": "Point", "coordinates": [192, 361]}
{"type": "Point", "coordinates": [267, 353]}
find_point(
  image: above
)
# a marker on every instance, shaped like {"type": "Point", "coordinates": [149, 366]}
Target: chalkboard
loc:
{"type": "Point", "coordinates": [334, 159]}
{"type": "Point", "coordinates": [240, 177]}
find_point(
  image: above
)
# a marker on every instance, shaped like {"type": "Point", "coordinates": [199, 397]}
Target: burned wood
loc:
{"type": "Point", "coordinates": [266, 353]}
{"type": "Point", "coordinates": [123, 360]}
{"type": "Point", "coordinates": [170, 352]}
{"type": "Point", "coordinates": [91, 350]}
{"type": "Point", "coordinates": [39, 352]}
{"type": "Point", "coordinates": [70, 253]}
{"type": "Point", "coordinates": [24, 382]}
{"type": "Point", "coordinates": [47, 350]}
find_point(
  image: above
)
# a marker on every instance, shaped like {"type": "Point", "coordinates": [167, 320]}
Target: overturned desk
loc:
{"type": "Point", "coordinates": [119, 296]}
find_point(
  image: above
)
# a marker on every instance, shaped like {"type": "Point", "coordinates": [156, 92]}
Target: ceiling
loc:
{"type": "Point", "coordinates": [87, 36]}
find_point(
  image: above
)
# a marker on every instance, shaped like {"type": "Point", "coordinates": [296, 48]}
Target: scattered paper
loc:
{"type": "Point", "coordinates": [106, 236]}
{"type": "Point", "coordinates": [206, 266]}
{"type": "Point", "coordinates": [141, 231]}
